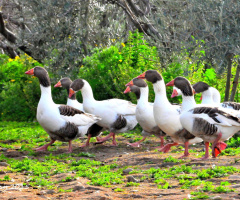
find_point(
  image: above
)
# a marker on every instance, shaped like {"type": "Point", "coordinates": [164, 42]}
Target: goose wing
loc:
{"type": "Point", "coordinates": [76, 116]}
{"type": "Point", "coordinates": [215, 115]}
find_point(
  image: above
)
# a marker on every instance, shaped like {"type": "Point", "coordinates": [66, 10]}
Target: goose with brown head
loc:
{"type": "Point", "coordinates": [61, 122]}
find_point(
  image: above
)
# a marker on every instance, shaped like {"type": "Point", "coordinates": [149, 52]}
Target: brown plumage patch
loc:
{"type": "Point", "coordinates": [68, 132]}
{"type": "Point", "coordinates": [200, 87]}
{"type": "Point", "coordinates": [120, 122]}
{"type": "Point", "coordinates": [234, 105]}
{"type": "Point", "coordinates": [184, 85]}
{"type": "Point", "coordinates": [135, 90]}
{"type": "Point", "coordinates": [139, 82]}
{"type": "Point", "coordinates": [69, 111]}
{"type": "Point", "coordinates": [42, 75]}
{"type": "Point", "coordinates": [153, 76]}
{"type": "Point", "coordinates": [66, 82]}
{"type": "Point", "coordinates": [185, 134]}
{"type": "Point", "coordinates": [94, 130]}
{"type": "Point", "coordinates": [203, 127]}
{"type": "Point", "coordinates": [77, 84]}
{"type": "Point", "coordinates": [212, 112]}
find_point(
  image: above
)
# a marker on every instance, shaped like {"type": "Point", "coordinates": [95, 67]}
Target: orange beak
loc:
{"type": "Point", "coordinates": [174, 93]}
{"type": "Point", "coordinates": [127, 90]}
{"type": "Point", "coordinates": [171, 83]}
{"type": "Point", "coordinates": [142, 76]}
{"type": "Point", "coordinates": [71, 92]}
{"type": "Point", "coordinates": [30, 72]}
{"type": "Point", "coordinates": [58, 84]}
{"type": "Point", "coordinates": [129, 84]}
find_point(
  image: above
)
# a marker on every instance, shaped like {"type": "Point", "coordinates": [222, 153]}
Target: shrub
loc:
{"type": "Point", "coordinates": [109, 69]}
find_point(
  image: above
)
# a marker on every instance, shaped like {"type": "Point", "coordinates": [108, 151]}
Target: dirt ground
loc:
{"type": "Point", "coordinates": [144, 157]}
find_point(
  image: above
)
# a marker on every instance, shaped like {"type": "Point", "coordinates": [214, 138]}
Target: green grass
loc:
{"type": "Point", "coordinates": [40, 170]}
{"type": "Point", "coordinates": [130, 184]}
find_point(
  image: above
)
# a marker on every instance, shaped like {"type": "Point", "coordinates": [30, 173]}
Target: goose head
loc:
{"type": "Point", "coordinates": [137, 82]}
{"type": "Point", "coordinates": [200, 87]}
{"type": "Point", "coordinates": [134, 89]}
{"type": "Point", "coordinates": [151, 76]}
{"type": "Point", "coordinates": [183, 85]}
{"type": "Point", "coordinates": [41, 74]}
{"type": "Point", "coordinates": [64, 82]}
{"type": "Point", "coordinates": [76, 85]}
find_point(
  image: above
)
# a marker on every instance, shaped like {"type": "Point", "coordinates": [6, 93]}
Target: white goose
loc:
{"type": "Point", "coordinates": [94, 130]}
{"type": "Point", "coordinates": [166, 115]}
{"type": "Point", "coordinates": [144, 111]}
{"type": "Point", "coordinates": [117, 115]}
{"type": "Point", "coordinates": [61, 122]}
{"type": "Point", "coordinates": [211, 95]}
{"type": "Point", "coordinates": [212, 124]}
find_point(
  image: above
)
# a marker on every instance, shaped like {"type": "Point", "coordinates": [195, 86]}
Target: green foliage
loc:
{"type": "Point", "coordinates": [199, 195]}
{"type": "Point", "coordinates": [18, 92]}
{"type": "Point", "coordinates": [234, 141]}
{"type": "Point", "coordinates": [109, 69]}
{"type": "Point", "coordinates": [6, 178]}
{"type": "Point", "coordinates": [171, 159]}
{"type": "Point", "coordinates": [118, 190]}
{"type": "Point", "coordinates": [130, 184]}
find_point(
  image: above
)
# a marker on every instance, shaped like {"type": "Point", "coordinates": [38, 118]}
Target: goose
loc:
{"type": "Point", "coordinates": [211, 95]}
{"type": "Point", "coordinates": [95, 130]}
{"type": "Point", "coordinates": [212, 124]}
{"type": "Point", "coordinates": [144, 111]}
{"type": "Point", "coordinates": [61, 122]}
{"type": "Point", "coordinates": [166, 115]}
{"type": "Point", "coordinates": [117, 115]}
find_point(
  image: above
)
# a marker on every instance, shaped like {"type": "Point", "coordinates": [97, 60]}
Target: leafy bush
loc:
{"type": "Point", "coordinates": [19, 93]}
{"type": "Point", "coordinates": [109, 69]}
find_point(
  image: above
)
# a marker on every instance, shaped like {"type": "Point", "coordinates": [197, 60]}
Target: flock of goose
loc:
{"type": "Point", "coordinates": [211, 122]}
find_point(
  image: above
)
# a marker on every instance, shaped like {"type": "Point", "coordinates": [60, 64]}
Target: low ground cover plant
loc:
{"type": "Point", "coordinates": [23, 137]}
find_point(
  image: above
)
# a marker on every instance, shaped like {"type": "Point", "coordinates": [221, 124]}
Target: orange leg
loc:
{"type": "Point", "coordinates": [167, 147]}
{"type": "Point", "coordinates": [206, 152]}
{"type": "Point", "coordinates": [44, 147]}
{"type": "Point", "coordinates": [87, 142]}
{"type": "Point", "coordinates": [138, 143]}
{"type": "Point", "coordinates": [186, 153]}
{"type": "Point", "coordinates": [70, 146]}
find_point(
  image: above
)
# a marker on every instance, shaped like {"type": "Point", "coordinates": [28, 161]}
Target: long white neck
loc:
{"type": "Point", "coordinates": [207, 97]}
{"type": "Point", "coordinates": [87, 93]}
{"type": "Point", "coordinates": [188, 102]}
{"type": "Point", "coordinates": [215, 95]}
{"type": "Point", "coordinates": [46, 94]}
{"type": "Point", "coordinates": [160, 94]}
{"type": "Point", "coordinates": [143, 100]}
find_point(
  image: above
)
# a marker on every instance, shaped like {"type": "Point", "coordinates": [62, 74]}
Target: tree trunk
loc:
{"type": "Point", "coordinates": [235, 83]}
{"type": "Point", "coordinates": [228, 57]}
{"type": "Point", "coordinates": [229, 74]}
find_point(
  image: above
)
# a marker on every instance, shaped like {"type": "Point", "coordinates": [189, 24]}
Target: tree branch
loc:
{"type": "Point", "coordinates": [8, 50]}
{"type": "Point", "coordinates": [6, 33]}
{"type": "Point", "coordinates": [235, 83]}
{"type": "Point", "coordinates": [135, 8]}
